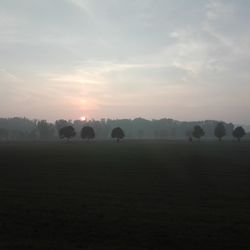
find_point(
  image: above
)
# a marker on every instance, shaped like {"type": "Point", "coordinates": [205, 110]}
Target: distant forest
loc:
{"type": "Point", "coordinates": [139, 128]}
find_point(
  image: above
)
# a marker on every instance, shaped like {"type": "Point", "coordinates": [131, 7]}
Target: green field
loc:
{"type": "Point", "coordinates": [132, 195]}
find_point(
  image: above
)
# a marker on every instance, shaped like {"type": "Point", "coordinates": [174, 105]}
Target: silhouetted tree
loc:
{"type": "Point", "coordinates": [87, 133]}
{"type": "Point", "coordinates": [67, 132]}
{"type": "Point", "coordinates": [46, 130]}
{"type": "Point", "coordinates": [220, 130]}
{"type": "Point", "coordinates": [118, 134]}
{"type": "Point", "coordinates": [238, 133]}
{"type": "Point", "coordinates": [198, 132]}
{"type": "Point", "coordinates": [4, 133]}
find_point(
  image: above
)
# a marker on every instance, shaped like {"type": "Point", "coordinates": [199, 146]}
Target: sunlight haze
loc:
{"type": "Point", "coordinates": [78, 59]}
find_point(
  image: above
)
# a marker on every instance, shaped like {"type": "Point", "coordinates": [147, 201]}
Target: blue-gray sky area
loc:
{"type": "Point", "coordinates": [188, 60]}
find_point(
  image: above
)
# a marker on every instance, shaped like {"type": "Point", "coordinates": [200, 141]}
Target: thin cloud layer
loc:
{"type": "Point", "coordinates": [181, 59]}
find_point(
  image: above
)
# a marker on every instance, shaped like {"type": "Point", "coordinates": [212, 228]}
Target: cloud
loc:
{"type": "Point", "coordinates": [98, 55]}
{"type": "Point", "coordinates": [6, 76]}
{"type": "Point", "coordinates": [84, 5]}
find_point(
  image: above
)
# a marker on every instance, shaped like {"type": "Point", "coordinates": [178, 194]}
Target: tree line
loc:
{"type": "Point", "coordinates": [219, 132]}
{"type": "Point", "coordinates": [139, 128]}
{"type": "Point", "coordinates": [88, 132]}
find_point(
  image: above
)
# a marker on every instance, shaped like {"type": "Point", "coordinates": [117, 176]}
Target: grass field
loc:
{"type": "Point", "coordinates": [132, 195]}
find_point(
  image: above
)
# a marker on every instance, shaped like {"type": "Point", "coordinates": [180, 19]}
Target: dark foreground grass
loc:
{"type": "Point", "coordinates": [133, 195]}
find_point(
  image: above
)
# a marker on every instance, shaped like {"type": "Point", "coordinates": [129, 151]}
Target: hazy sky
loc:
{"type": "Point", "coordinates": [182, 59]}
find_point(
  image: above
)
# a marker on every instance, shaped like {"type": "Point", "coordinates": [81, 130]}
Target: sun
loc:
{"type": "Point", "coordinates": [83, 118]}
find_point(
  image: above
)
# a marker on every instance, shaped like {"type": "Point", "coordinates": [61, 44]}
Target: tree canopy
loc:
{"type": "Point", "coordinates": [118, 134]}
{"type": "Point", "coordinates": [220, 131]}
{"type": "Point", "coordinates": [198, 132]}
{"type": "Point", "coordinates": [238, 133]}
{"type": "Point", "coordinates": [87, 132]}
{"type": "Point", "coordinates": [67, 132]}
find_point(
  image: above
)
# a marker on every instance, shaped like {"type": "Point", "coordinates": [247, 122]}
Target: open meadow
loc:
{"type": "Point", "coordinates": [131, 195]}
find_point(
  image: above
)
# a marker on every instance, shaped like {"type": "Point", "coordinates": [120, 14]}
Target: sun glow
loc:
{"type": "Point", "coordinates": [83, 118]}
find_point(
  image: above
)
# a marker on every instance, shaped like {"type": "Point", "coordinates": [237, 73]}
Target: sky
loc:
{"type": "Point", "coordinates": [186, 60]}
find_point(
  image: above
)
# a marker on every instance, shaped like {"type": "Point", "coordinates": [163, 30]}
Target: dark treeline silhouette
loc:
{"type": "Point", "coordinates": [139, 128]}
